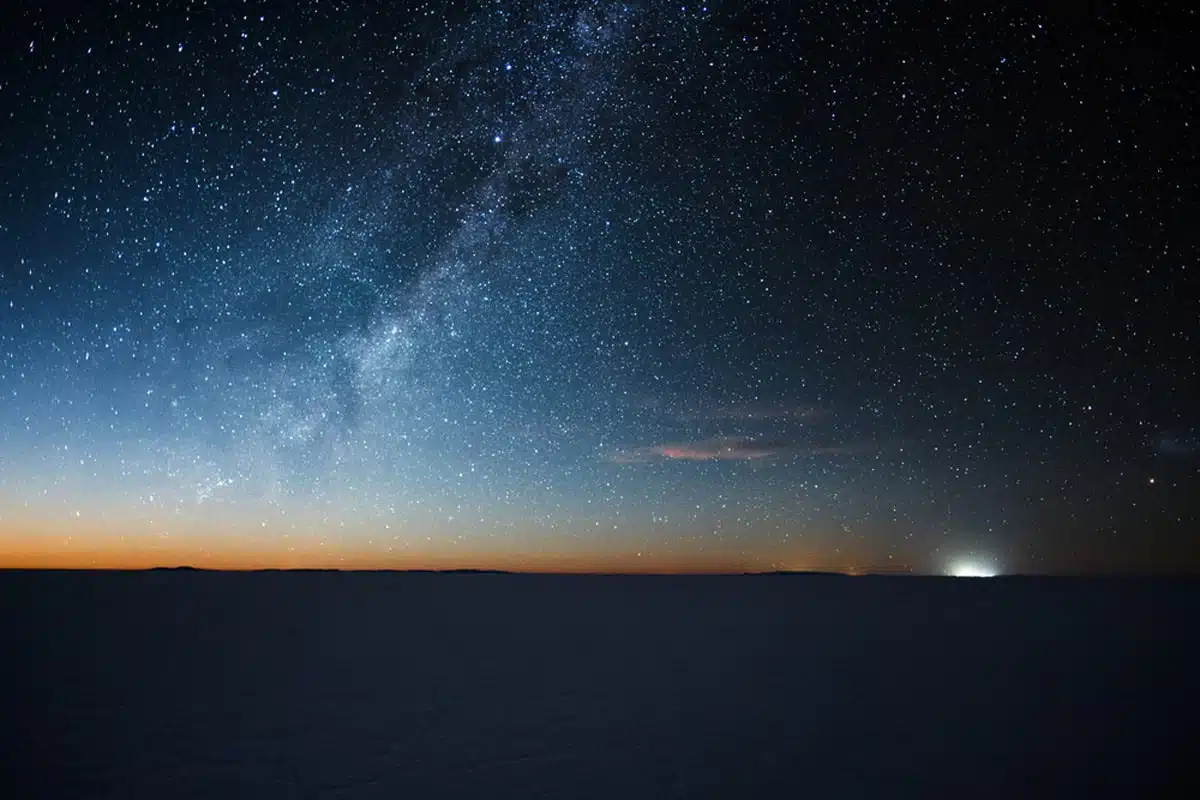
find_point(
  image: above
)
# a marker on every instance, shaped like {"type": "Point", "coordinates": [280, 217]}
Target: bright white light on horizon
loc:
{"type": "Point", "coordinates": [972, 569]}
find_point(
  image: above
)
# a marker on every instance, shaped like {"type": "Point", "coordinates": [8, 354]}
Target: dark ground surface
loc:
{"type": "Point", "coordinates": [177, 684]}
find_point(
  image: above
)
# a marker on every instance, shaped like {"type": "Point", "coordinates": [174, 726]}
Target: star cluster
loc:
{"type": "Point", "coordinates": [598, 285]}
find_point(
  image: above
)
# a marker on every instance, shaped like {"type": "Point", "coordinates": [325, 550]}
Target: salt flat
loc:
{"type": "Point", "coordinates": [195, 684]}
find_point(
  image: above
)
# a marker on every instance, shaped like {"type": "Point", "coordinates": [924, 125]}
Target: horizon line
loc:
{"type": "Point", "coordinates": [856, 573]}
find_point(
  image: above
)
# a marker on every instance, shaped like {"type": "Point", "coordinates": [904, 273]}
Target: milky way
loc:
{"type": "Point", "coordinates": [583, 283]}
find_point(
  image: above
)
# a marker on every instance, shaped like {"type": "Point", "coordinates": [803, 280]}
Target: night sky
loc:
{"type": "Point", "coordinates": [600, 286]}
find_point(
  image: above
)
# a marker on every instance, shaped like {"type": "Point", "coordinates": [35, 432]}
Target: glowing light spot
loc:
{"type": "Point", "coordinates": [972, 569]}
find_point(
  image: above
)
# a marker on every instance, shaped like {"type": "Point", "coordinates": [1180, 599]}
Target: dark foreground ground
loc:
{"type": "Point", "coordinates": [293, 685]}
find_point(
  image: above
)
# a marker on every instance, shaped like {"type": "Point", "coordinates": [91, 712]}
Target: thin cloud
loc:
{"type": "Point", "coordinates": [733, 448]}
{"type": "Point", "coordinates": [1178, 445]}
{"type": "Point", "coordinates": [720, 449]}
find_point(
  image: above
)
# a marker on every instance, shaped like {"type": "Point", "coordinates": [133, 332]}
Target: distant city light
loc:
{"type": "Point", "coordinates": [972, 569]}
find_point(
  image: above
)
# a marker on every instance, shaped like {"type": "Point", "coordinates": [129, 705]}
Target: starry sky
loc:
{"type": "Point", "coordinates": [583, 285]}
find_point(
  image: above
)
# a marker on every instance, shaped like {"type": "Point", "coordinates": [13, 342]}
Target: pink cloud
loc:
{"type": "Point", "coordinates": [720, 449]}
{"type": "Point", "coordinates": [729, 449]}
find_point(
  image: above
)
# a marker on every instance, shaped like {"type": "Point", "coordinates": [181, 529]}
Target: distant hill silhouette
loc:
{"type": "Point", "coordinates": [296, 569]}
{"type": "Point", "coordinates": [807, 572]}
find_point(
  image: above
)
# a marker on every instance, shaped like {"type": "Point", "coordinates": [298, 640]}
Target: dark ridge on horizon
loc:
{"type": "Point", "coordinates": [821, 573]}
{"type": "Point", "coordinates": [460, 571]}
{"type": "Point", "coordinates": [286, 569]}
{"type": "Point", "coordinates": [457, 571]}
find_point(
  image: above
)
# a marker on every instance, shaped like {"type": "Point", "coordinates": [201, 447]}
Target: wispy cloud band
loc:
{"type": "Point", "coordinates": [730, 448]}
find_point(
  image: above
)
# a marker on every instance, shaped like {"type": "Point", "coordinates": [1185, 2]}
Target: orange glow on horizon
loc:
{"type": "Point", "coordinates": [230, 552]}
{"type": "Point", "coordinates": [99, 559]}
{"type": "Point", "coordinates": [46, 540]}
